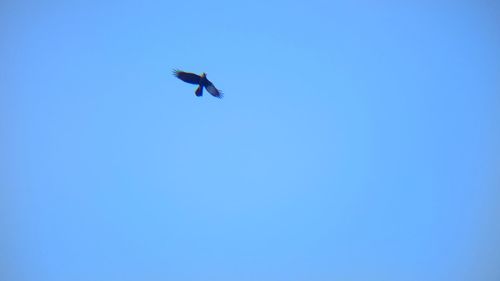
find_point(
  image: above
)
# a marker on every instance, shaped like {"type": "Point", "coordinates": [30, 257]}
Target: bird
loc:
{"type": "Point", "coordinates": [201, 81]}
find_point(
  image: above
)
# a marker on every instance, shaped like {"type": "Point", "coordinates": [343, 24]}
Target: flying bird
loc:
{"type": "Point", "coordinates": [201, 81]}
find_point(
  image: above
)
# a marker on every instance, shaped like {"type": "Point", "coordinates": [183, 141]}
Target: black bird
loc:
{"type": "Point", "coordinates": [201, 81]}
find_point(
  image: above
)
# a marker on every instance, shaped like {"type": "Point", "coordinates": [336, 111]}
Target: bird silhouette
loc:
{"type": "Point", "coordinates": [201, 81]}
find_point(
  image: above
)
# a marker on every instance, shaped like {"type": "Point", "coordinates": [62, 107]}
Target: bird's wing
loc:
{"type": "Point", "coordinates": [187, 77]}
{"type": "Point", "coordinates": [212, 90]}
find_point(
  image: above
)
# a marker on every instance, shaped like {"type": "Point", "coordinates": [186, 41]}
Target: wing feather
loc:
{"type": "Point", "coordinates": [187, 77]}
{"type": "Point", "coordinates": [212, 90]}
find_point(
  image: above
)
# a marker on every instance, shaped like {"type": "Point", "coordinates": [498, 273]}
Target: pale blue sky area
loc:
{"type": "Point", "coordinates": [357, 141]}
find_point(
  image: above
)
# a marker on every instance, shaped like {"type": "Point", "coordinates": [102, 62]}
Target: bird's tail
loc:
{"type": "Point", "coordinates": [199, 91]}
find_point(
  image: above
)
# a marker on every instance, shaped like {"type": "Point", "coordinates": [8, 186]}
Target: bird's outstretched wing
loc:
{"type": "Point", "coordinates": [187, 77]}
{"type": "Point", "coordinates": [212, 90]}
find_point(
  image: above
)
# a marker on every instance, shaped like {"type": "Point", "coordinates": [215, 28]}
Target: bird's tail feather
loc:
{"type": "Point", "coordinates": [199, 91]}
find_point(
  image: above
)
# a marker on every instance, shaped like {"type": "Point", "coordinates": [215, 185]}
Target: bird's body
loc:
{"type": "Point", "coordinates": [200, 80]}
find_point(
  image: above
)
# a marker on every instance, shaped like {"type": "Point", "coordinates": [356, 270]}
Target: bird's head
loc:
{"type": "Point", "coordinates": [204, 75]}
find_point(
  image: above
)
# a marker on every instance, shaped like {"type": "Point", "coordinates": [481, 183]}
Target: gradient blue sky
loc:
{"type": "Point", "coordinates": [358, 140]}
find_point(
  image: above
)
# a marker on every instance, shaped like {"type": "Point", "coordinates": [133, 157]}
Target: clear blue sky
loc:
{"type": "Point", "coordinates": [357, 140]}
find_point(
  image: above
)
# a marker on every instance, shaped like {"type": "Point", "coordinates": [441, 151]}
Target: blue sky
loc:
{"type": "Point", "coordinates": [357, 140]}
